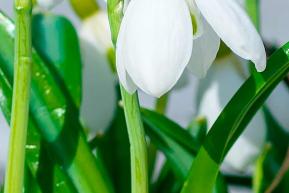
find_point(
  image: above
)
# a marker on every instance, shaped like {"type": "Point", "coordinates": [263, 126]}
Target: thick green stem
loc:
{"type": "Point", "coordinates": [84, 8]}
{"type": "Point", "coordinates": [21, 91]}
{"type": "Point", "coordinates": [138, 147]}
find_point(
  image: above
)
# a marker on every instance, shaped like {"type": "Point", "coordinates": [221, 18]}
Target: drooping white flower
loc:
{"type": "Point", "coordinates": [48, 4]}
{"type": "Point", "coordinates": [99, 95]}
{"type": "Point", "coordinates": [154, 43]}
{"type": "Point", "coordinates": [215, 91]}
{"type": "Point", "coordinates": [235, 28]}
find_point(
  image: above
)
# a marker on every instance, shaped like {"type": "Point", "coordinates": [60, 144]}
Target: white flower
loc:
{"type": "Point", "coordinates": [154, 45]}
{"type": "Point", "coordinates": [96, 29]}
{"type": "Point", "coordinates": [48, 4]}
{"type": "Point", "coordinates": [99, 95]}
{"type": "Point", "coordinates": [215, 91]}
{"type": "Point", "coordinates": [156, 36]}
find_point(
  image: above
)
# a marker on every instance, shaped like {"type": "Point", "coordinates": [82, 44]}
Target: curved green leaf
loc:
{"type": "Point", "coordinates": [114, 147]}
{"type": "Point", "coordinates": [232, 122]}
{"type": "Point", "coordinates": [271, 160]}
{"type": "Point", "coordinates": [56, 41]}
{"type": "Point", "coordinates": [34, 148]}
{"type": "Point", "coordinates": [178, 146]}
{"type": "Point", "coordinates": [57, 118]}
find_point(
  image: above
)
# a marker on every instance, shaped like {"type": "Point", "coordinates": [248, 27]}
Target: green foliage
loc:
{"type": "Point", "coordinates": [60, 160]}
{"type": "Point", "coordinates": [179, 147]}
{"type": "Point", "coordinates": [271, 160]}
{"type": "Point", "coordinates": [56, 41]}
{"type": "Point", "coordinates": [56, 116]}
{"type": "Point", "coordinates": [233, 120]}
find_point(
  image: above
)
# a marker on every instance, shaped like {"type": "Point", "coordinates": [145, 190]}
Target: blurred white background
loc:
{"type": "Point", "coordinates": [274, 29]}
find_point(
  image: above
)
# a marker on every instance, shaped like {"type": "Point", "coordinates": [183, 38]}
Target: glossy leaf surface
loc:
{"type": "Point", "coordinates": [57, 118]}
{"type": "Point", "coordinates": [178, 146]}
{"type": "Point", "coordinates": [56, 41]}
{"type": "Point", "coordinates": [233, 120]}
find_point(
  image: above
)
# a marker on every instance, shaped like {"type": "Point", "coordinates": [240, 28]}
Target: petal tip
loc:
{"type": "Point", "coordinates": [261, 62]}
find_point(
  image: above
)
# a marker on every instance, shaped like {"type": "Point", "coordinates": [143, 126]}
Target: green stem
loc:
{"type": "Point", "coordinates": [162, 103]}
{"type": "Point", "coordinates": [21, 91]}
{"type": "Point", "coordinates": [84, 8]}
{"type": "Point", "coordinates": [138, 147]}
{"type": "Point", "coordinates": [253, 10]}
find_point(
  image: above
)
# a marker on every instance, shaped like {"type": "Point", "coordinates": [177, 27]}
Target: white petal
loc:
{"type": "Point", "coordinates": [155, 43]}
{"type": "Point", "coordinates": [204, 52]}
{"type": "Point", "coordinates": [4, 144]}
{"type": "Point", "coordinates": [197, 20]}
{"type": "Point", "coordinates": [216, 90]}
{"type": "Point", "coordinates": [278, 104]}
{"type": "Point", "coordinates": [96, 28]}
{"type": "Point", "coordinates": [123, 76]}
{"type": "Point", "coordinates": [48, 4]}
{"type": "Point", "coordinates": [99, 96]}
{"type": "Point", "coordinates": [235, 28]}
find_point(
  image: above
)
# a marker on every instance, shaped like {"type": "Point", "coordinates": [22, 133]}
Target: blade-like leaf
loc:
{"type": "Point", "coordinates": [56, 41]}
{"type": "Point", "coordinates": [232, 122]}
{"type": "Point", "coordinates": [34, 147]}
{"type": "Point", "coordinates": [30, 184]}
{"type": "Point", "coordinates": [57, 118]}
{"type": "Point", "coordinates": [271, 160]}
{"type": "Point", "coordinates": [178, 146]}
{"type": "Point", "coordinates": [160, 123]}
{"type": "Point", "coordinates": [114, 147]}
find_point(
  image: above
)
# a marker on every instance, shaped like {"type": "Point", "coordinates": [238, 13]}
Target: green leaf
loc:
{"type": "Point", "coordinates": [30, 184]}
{"type": "Point", "coordinates": [160, 123]}
{"type": "Point", "coordinates": [57, 118]}
{"type": "Point", "coordinates": [198, 128]}
{"type": "Point", "coordinates": [178, 146]}
{"type": "Point", "coordinates": [34, 148]}
{"type": "Point", "coordinates": [56, 41]}
{"type": "Point", "coordinates": [167, 181]}
{"type": "Point", "coordinates": [114, 148]}
{"type": "Point", "coordinates": [271, 160]}
{"type": "Point", "coordinates": [233, 120]}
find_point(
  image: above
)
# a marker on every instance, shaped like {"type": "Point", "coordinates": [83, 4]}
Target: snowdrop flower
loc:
{"type": "Point", "coordinates": [4, 143]}
{"type": "Point", "coordinates": [99, 95]}
{"type": "Point", "coordinates": [48, 4]}
{"type": "Point", "coordinates": [156, 39]}
{"type": "Point", "coordinates": [215, 92]}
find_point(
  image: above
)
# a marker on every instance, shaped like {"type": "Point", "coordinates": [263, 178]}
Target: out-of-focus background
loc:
{"type": "Point", "coordinates": [182, 107]}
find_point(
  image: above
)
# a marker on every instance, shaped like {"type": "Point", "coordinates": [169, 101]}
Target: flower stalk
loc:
{"type": "Point", "coordinates": [138, 146]}
{"type": "Point", "coordinates": [162, 104]}
{"type": "Point", "coordinates": [21, 91]}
